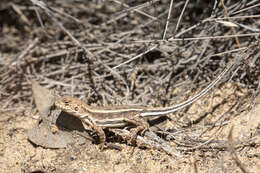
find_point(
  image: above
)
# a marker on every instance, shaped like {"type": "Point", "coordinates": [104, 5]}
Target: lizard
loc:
{"type": "Point", "coordinates": [99, 118]}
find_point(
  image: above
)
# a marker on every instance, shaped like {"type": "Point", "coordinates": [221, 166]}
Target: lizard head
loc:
{"type": "Point", "coordinates": [70, 105]}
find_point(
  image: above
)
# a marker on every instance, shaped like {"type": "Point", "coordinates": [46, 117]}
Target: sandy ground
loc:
{"type": "Point", "coordinates": [20, 155]}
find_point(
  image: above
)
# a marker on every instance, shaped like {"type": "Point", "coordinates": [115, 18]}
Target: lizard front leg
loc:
{"type": "Point", "coordinates": [101, 134]}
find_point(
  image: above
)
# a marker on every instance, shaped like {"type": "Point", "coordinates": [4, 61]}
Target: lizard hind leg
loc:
{"type": "Point", "coordinates": [141, 127]}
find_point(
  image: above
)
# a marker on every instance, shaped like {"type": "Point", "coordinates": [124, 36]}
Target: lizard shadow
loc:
{"type": "Point", "coordinates": [69, 122]}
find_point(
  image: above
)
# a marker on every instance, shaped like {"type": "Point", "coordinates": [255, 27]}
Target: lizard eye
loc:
{"type": "Point", "coordinates": [66, 102]}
